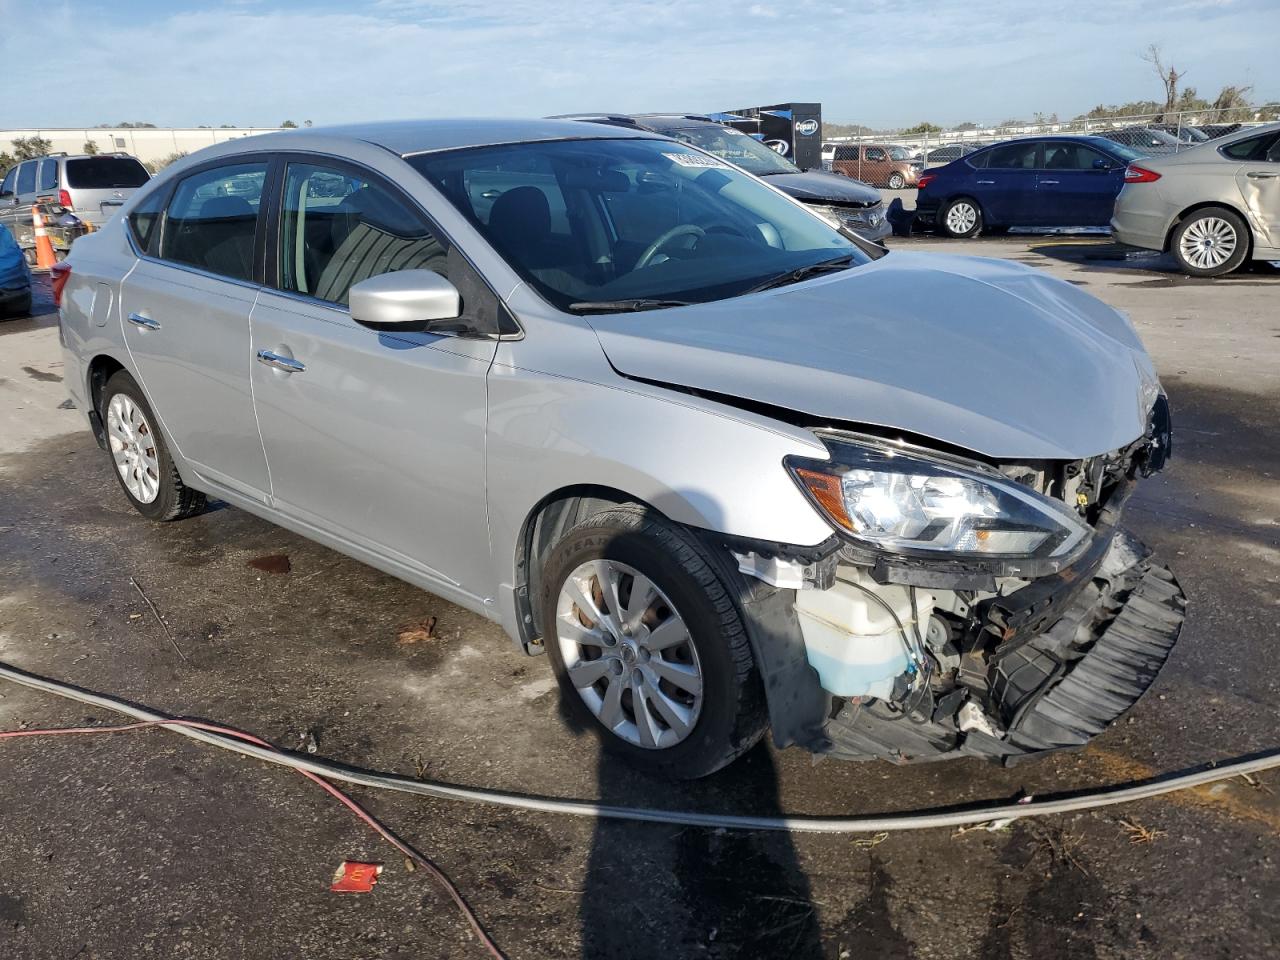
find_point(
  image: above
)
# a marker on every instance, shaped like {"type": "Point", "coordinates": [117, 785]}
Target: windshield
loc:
{"type": "Point", "coordinates": [611, 220]}
{"type": "Point", "coordinates": [733, 145]}
{"type": "Point", "coordinates": [105, 173]}
{"type": "Point", "coordinates": [899, 153]}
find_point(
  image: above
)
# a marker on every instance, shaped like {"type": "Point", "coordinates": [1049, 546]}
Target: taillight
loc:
{"type": "Point", "coordinates": [1136, 174]}
{"type": "Point", "coordinates": [64, 199]}
{"type": "Point", "coordinates": [59, 274]}
{"type": "Point", "coordinates": [926, 179]}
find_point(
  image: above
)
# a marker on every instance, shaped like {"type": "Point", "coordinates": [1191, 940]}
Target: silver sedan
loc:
{"type": "Point", "coordinates": [727, 465]}
{"type": "Point", "coordinates": [1212, 206]}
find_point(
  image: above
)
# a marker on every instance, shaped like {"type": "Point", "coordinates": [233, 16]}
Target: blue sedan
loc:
{"type": "Point", "coordinates": [1035, 182]}
{"type": "Point", "coordinates": [15, 278]}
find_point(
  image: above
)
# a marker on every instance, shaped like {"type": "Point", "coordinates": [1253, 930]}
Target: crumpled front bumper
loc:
{"type": "Point", "coordinates": [1055, 690]}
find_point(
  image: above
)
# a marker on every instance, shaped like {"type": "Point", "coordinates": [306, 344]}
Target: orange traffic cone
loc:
{"type": "Point", "coordinates": [45, 257]}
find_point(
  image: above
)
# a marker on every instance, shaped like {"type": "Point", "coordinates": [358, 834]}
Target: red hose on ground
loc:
{"type": "Point", "coordinates": [351, 805]}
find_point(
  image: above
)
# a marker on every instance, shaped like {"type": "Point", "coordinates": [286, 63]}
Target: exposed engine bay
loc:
{"type": "Point", "coordinates": [922, 658]}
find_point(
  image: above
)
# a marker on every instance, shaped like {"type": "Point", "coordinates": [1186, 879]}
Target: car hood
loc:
{"type": "Point", "coordinates": [13, 268]}
{"type": "Point", "coordinates": [991, 356]}
{"type": "Point", "coordinates": [815, 186]}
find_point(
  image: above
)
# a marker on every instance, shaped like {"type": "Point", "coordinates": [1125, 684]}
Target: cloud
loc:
{"type": "Point", "coordinates": [875, 61]}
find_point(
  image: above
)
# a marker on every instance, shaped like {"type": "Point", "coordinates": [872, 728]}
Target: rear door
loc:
{"type": "Point", "coordinates": [1076, 186]}
{"type": "Point", "coordinates": [1259, 181]}
{"type": "Point", "coordinates": [1005, 185]}
{"type": "Point", "coordinates": [375, 438]}
{"type": "Point", "coordinates": [185, 313]}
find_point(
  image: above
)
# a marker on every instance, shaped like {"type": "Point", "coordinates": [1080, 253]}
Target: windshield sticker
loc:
{"type": "Point", "coordinates": [695, 160]}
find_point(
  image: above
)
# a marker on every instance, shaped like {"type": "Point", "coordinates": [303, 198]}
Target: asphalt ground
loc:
{"type": "Point", "coordinates": [144, 844]}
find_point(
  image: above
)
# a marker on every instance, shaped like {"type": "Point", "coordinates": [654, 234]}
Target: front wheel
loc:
{"type": "Point", "coordinates": [897, 181]}
{"type": "Point", "coordinates": [961, 218]}
{"type": "Point", "coordinates": [1210, 242]}
{"type": "Point", "coordinates": [649, 646]}
{"type": "Point", "coordinates": [140, 458]}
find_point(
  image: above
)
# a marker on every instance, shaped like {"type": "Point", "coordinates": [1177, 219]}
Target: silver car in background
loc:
{"type": "Point", "coordinates": [1213, 206]}
{"type": "Point", "coordinates": [728, 466]}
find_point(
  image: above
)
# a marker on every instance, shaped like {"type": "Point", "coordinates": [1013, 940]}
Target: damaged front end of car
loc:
{"type": "Point", "coordinates": [964, 608]}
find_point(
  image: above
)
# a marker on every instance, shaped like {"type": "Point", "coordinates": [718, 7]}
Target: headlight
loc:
{"type": "Point", "coordinates": [904, 501]}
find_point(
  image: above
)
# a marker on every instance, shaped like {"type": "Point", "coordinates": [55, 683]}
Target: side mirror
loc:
{"type": "Point", "coordinates": [1101, 164]}
{"type": "Point", "coordinates": [404, 301]}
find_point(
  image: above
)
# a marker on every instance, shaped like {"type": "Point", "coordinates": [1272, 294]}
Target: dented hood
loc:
{"type": "Point", "coordinates": [988, 355]}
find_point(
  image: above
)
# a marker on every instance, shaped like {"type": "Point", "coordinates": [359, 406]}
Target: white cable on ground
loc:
{"type": "Point", "coordinates": [918, 820]}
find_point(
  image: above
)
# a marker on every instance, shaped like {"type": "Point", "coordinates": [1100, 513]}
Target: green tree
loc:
{"type": "Point", "coordinates": [155, 166]}
{"type": "Point", "coordinates": [90, 147]}
{"type": "Point", "coordinates": [288, 125]}
{"type": "Point", "coordinates": [7, 160]}
{"type": "Point", "coordinates": [25, 148]}
{"type": "Point", "coordinates": [922, 128]}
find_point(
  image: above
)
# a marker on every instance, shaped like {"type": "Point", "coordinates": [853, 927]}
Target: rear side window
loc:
{"type": "Point", "coordinates": [845, 153]}
{"type": "Point", "coordinates": [105, 173]}
{"type": "Point", "coordinates": [27, 177]}
{"type": "Point", "coordinates": [144, 221]}
{"type": "Point", "coordinates": [48, 175]}
{"type": "Point", "coordinates": [1015, 156]}
{"type": "Point", "coordinates": [338, 228]}
{"type": "Point", "coordinates": [212, 220]}
{"type": "Point", "coordinates": [1253, 148]}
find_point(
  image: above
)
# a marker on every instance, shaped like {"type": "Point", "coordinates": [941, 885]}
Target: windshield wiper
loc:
{"type": "Point", "coordinates": [803, 273]}
{"type": "Point", "coordinates": [624, 306]}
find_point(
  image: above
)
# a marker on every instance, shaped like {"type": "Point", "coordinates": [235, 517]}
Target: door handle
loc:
{"type": "Point", "coordinates": [1257, 175]}
{"type": "Point", "coordinates": [146, 323]}
{"type": "Point", "coordinates": [987, 182]}
{"type": "Point", "coordinates": [491, 194]}
{"type": "Point", "coordinates": [1048, 182]}
{"type": "Point", "coordinates": [287, 364]}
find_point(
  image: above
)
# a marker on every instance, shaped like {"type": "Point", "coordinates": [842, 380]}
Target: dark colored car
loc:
{"type": "Point", "coordinates": [1034, 182]}
{"type": "Point", "coordinates": [838, 199]}
{"type": "Point", "coordinates": [1147, 140]}
{"type": "Point", "coordinates": [948, 153]}
{"type": "Point", "coordinates": [15, 278]}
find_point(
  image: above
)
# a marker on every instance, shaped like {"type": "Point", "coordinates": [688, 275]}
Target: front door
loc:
{"type": "Point", "coordinates": [376, 438]}
{"type": "Point", "coordinates": [1259, 181]}
{"type": "Point", "coordinates": [185, 314]}
{"type": "Point", "coordinates": [1076, 186]}
{"type": "Point", "coordinates": [1006, 185]}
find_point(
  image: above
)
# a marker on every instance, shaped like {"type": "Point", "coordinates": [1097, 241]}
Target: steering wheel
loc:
{"type": "Point", "coordinates": [680, 230]}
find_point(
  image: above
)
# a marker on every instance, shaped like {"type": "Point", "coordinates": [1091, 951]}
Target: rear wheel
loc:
{"type": "Point", "coordinates": [961, 218]}
{"type": "Point", "coordinates": [648, 644]}
{"type": "Point", "coordinates": [139, 456]}
{"type": "Point", "coordinates": [1210, 242]}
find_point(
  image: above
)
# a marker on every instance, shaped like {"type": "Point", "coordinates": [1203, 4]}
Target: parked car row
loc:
{"type": "Point", "coordinates": [1212, 205]}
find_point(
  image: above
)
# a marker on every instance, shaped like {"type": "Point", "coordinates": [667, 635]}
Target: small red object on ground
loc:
{"type": "Point", "coordinates": [355, 877]}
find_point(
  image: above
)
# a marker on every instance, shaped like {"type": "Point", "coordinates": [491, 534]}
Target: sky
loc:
{"type": "Point", "coordinates": [884, 63]}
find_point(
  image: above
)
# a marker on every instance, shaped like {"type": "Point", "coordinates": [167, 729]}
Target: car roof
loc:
{"type": "Point", "coordinates": [407, 137]}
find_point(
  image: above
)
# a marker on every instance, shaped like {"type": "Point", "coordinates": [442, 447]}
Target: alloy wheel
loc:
{"type": "Point", "coordinates": [629, 655]}
{"type": "Point", "coordinates": [133, 448]}
{"type": "Point", "coordinates": [1208, 243]}
{"type": "Point", "coordinates": [961, 217]}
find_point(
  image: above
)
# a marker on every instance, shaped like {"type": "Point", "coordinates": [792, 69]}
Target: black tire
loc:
{"type": "Point", "coordinates": [174, 500]}
{"type": "Point", "coordinates": [1198, 221]}
{"type": "Point", "coordinates": [17, 311]}
{"type": "Point", "coordinates": [733, 714]}
{"type": "Point", "coordinates": [897, 181]}
{"type": "Point", "coordinates": [972, 230]}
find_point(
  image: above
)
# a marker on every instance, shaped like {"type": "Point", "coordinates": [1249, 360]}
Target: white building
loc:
{"type": "Point", "coordinates": [145, 143]}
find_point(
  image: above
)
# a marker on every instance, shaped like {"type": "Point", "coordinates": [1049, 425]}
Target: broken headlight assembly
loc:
{"type": "Point", "coordinates": [903, 500]}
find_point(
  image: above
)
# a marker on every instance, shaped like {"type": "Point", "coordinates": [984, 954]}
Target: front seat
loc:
{"type": "Point", "coordinates": [225, 241]}
{"type": "Point", "coordinates": [520, 224]}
